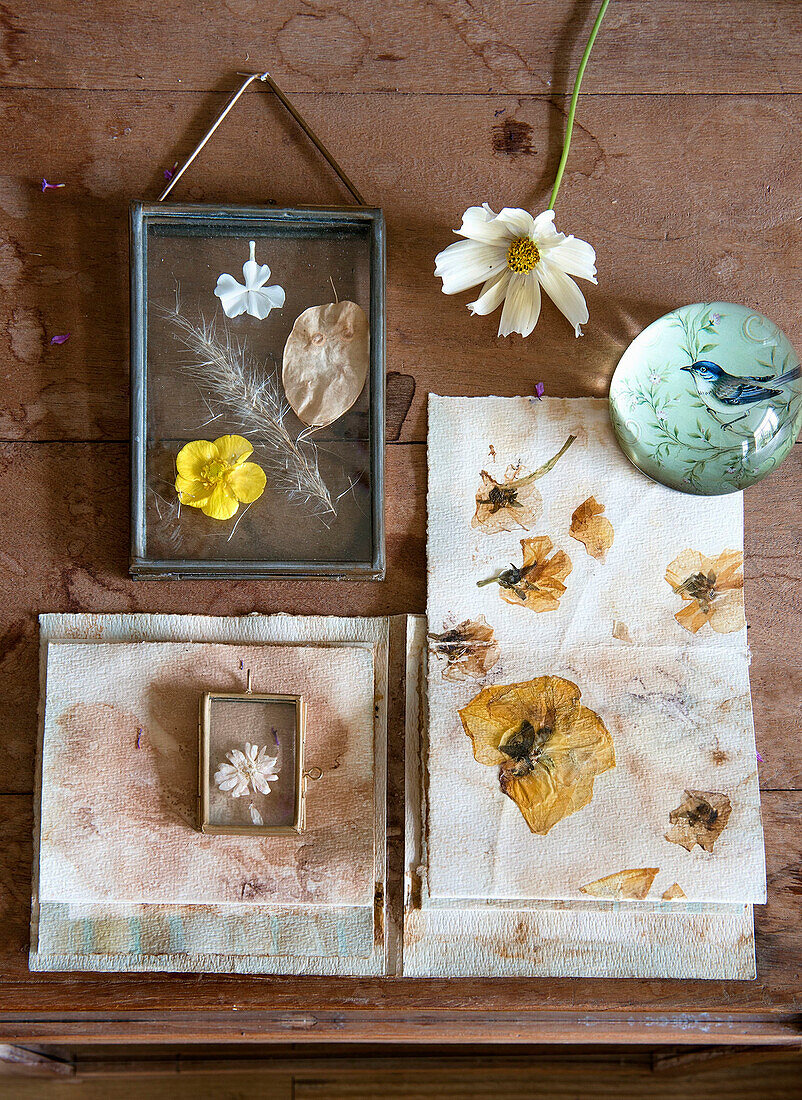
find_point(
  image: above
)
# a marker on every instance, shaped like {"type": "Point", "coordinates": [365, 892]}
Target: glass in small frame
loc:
{"type": "Point", "coordinates": [251, 768]}
{"type": "Point", "coordinates": [263, 328]}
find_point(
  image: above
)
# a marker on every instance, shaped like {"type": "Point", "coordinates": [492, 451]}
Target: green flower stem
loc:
{"type": "Point", "coordinates": [544, 469]}
{"type": "Point", "coordinates": [572, 110]}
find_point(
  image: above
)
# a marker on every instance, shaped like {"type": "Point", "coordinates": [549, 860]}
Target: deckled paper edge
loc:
{"type": "Point", "coordinates": [548, 941]}
{"type": "Point", "coordinates": [255, 629]}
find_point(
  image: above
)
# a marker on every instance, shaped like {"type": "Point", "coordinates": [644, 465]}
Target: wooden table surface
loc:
{"type": "Point", "coordinates": [684, 174]}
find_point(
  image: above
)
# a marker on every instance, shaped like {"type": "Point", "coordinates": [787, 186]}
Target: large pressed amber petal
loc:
{"type": "Point", "coordinates": [192, 458]}
{"type": "Point", "coordinates": [487, 718]}
{"type": "Point", "coordinates": [233, 449]}
{"type": "Point", "coordinates": [247, 482]}
{"type": "Point", "coordinates": [222, 504]}
{"type": "Point", "coordinates": [578, 749]}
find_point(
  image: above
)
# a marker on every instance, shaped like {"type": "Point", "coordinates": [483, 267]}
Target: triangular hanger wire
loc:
{"type": "Point", "coordinates": [265, 78]}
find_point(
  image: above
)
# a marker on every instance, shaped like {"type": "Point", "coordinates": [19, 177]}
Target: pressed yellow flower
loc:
{"type": "Point", "coordinates": [216, 478]}
{"type": "Point", "coordinates": [548, 747]}
{"type": "Point", "coordinates": [538, 583]}
{"type": "Point", "coordinates": [712, 589]}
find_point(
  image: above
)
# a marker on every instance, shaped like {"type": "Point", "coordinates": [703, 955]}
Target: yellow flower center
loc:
{"type": "Point", "coordinates": [523, 256]}
{"type": "Point", "coordinates": [213, 471]}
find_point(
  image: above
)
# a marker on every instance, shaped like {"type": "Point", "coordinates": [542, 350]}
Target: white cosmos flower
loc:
{"type": "Point", "coordinates": [515, 255]}
{"type": "Point", "coordinates": [251, 768]}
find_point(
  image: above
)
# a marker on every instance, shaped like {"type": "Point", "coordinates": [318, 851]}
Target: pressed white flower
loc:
{"type": "Point", "coordinates": [251, 768]}
{"type": "Point", "coordinates": [514, 255]}
{"type": "Point", "coordinates": [253, 297]}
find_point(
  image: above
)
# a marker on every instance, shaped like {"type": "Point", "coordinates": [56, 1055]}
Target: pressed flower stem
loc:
{"type": "Point", "coordinates": [552, 462]}
{"type": "Point", "coordinates": [572, 109]}
{"type": "Point", "coordinates": [490, 580]}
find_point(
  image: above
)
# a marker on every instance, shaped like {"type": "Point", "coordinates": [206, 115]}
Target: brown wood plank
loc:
{"type": "Point", "coordinates": [65, 549]}
{"type": "Point", "coordinates": [411, 45]}
{"type": "Point", "coordinates": [671, 221]}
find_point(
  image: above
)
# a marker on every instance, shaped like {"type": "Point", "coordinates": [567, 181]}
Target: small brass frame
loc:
{"type": "Point", "coordinates": [301, 777]}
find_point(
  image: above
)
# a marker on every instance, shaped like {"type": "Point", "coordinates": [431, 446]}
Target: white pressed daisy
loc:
{"type": "Point", "coordinates": [515, 255]}
{"type": "Point", "coordinates": [251, 768]}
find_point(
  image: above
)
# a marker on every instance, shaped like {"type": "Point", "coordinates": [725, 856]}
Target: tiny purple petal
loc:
{"type": "Point", "coordinates": [61, 339]}
{"type": "Point", "coordinates": [170, 172]}
{"type": "Point", "coordinates": [50, 186]}
{"type": "Point", "coordinates": [759, 757]}
{"type": "Point", "coordinates": [540, 389]}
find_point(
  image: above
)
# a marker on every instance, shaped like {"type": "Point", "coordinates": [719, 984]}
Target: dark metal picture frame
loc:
{"type": "Point", "coordinates": [292, 222]}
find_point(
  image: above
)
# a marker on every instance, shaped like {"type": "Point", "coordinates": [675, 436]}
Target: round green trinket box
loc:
{"type": "Point", "coordinates": [708, 399]}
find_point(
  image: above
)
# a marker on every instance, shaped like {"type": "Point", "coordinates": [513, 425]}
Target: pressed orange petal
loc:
{"type": "Point", "coordinates": [691, 617]}
{"type": "Point", "coordinates": [634, 883]}
{"type": "Point", "coordinates": [247, 482]}
{"type": "Point", "coordinates": [192, 457]}
{"type": "Point", "coordinates": [233, 449]}
{"type": "Point", "coordinates": [728, 612]}
{"type": "Point", "coordinates": [222, 504]}
{"type": "Point", "coordinates": [593, 529]}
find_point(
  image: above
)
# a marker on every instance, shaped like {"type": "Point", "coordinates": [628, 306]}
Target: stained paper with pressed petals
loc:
{"type": "Point", "coordinates": [647, 651]}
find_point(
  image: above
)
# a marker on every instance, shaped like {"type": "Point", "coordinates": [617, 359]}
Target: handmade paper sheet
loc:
{"type": "Point", "coordinates": [675, 704]}
{"type": "Point", "coordinates": [119, 802]}
{"type": "Point", "coordinates": [591, 938]}
{"type": "Point", "coordinates": [292, 915]}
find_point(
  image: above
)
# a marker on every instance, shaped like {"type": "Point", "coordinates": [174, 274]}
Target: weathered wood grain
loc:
{"type": "Point", "coordinates": [773, 993]}
{"type": "Point", "coordinates": [683, 197]}
{"type": "Point", "coordinates": [412, 45]}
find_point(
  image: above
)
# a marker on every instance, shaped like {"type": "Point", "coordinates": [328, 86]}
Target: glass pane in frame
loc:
{"type": "Point", "coordinates": [251, 763]}
{"type": "Point", "coordinates": [199, 375]}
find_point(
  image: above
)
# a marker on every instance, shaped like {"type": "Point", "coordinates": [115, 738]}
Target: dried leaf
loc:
{"type": "Point", "coordinates": [589, 526]}
{"type": "Point", "coordinates": [699, 819]}
{"type": "Point", "coordinates": [621, 632]}
{"type": "Point", "coordinates": [712, 589]}
{"type": "Point", "coordinates": [548, 747]}
{"type": "Point", "coordinates": [326, 359]}
{"type": "Point", "coordinates": [470, 649]}
{"type": "Point", "coordinates": [633, 884]}
{"type": "Point", "coordinates": [538, 583]}
{"type": "Point", "coordinates": [515, 501]}
{"type": "Point", "coordinates": [674, 891]}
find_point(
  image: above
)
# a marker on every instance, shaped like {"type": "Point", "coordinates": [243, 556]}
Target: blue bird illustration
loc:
{"type": "Point", "coordinates": [723, 392]}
